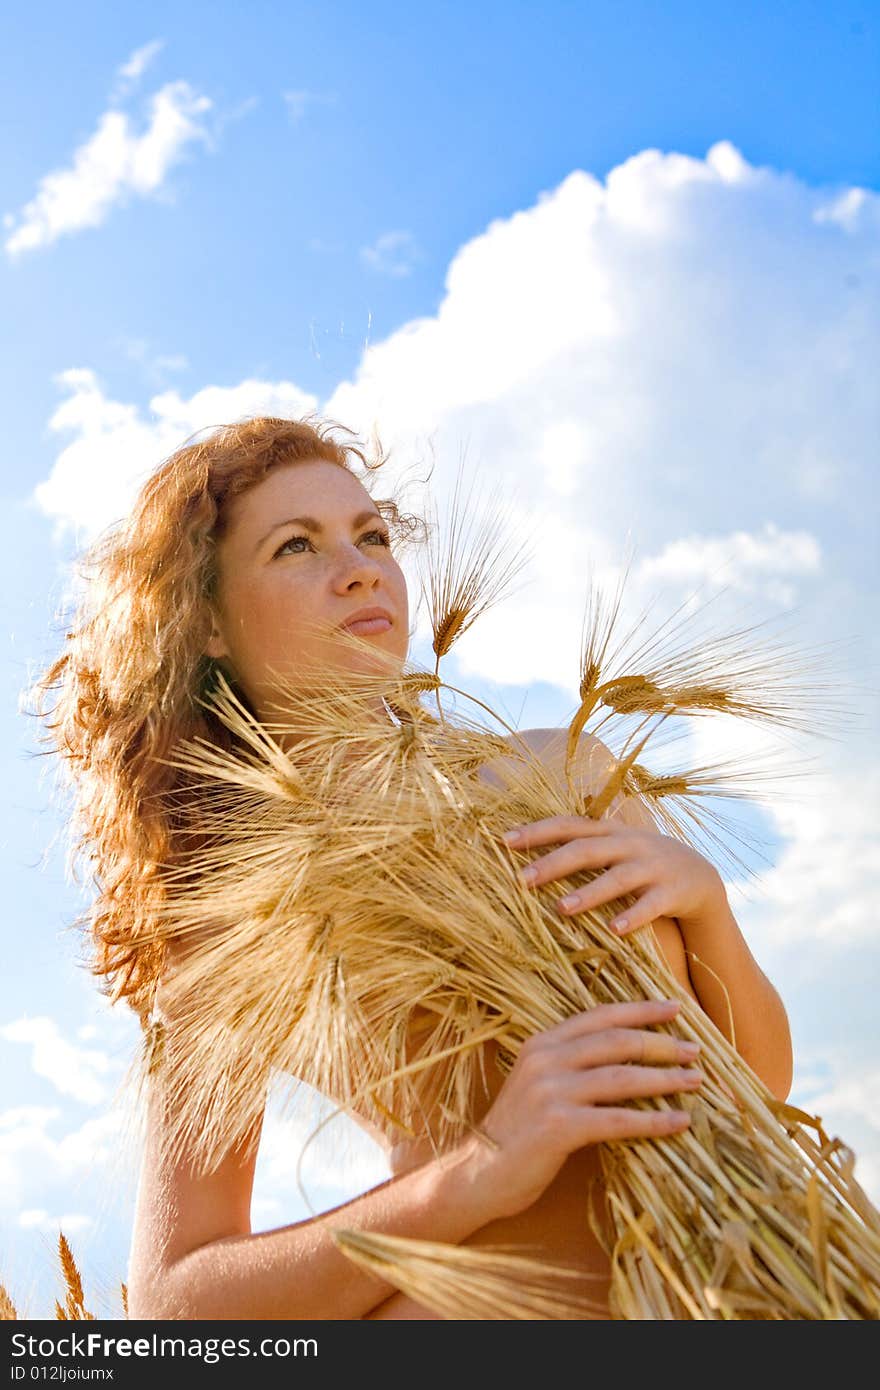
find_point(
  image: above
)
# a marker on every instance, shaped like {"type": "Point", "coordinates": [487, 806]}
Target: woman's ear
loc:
{"type": "Point", "coordinates": [216, 644]}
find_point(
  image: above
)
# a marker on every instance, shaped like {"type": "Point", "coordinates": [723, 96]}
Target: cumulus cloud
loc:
{"type": "Point", "coordinates": [675, 355]}
{"type": "Point", "coordinates": [825, 883]}
{"type": "Point", "coordinates": [848, 1104]}
{"type": "Point", "coordinates": [748, 561]}
{"type": "Point", "coordinates": [73, 1071]}
{"type": "Point", "coordinates": [114, 447]}
{"type": "Point", "coordinates": [821, 814]}
{"type": "Point", "coordinates": [851, 209]}
{"type": "Point", "coordinates": [673, 358]}
{"type": "Point", "coordinates": [38, 1219]}
{"type": "Point", "coordinates": [34, 1162]}
{"type": "Point", "coordinates": [110, 166]}
{"type": "Point", "coordinates": [58, 1175]}
{"type": "Point", "coordinates": [303, 1167]}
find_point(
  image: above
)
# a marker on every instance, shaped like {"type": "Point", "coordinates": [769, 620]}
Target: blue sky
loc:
{"type": "Point", "coordinates": [626, 254]}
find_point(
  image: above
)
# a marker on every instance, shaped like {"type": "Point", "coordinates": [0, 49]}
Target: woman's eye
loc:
{"type": "Point", "coordinates": [384, 539]}
{"type": "Point", "coordinates": [290, 540]}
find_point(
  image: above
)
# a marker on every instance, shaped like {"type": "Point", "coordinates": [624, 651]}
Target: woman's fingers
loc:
{"type": "Point", "coordinates": [621, 1045]}
{"type": "Point", "coordinates": [569, 1086]}
{"type": "Point", "coordinates": [614, 883]}
{"type": "Point", "coordinates": [631, 1015]}
{"type": "Point", "coordinates": [574, 857]}
{"type": "Point", "coordinates": [604, 1085]}
{"type": "Point", "coordinates": [555, 828]}
{"type": "Point", "coordinates": [603, 1123]}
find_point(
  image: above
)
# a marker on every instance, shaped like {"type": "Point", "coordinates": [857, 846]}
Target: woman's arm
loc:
{"type": "Point", "coordinates": [710, 952]}
{"type": "Point", "coordinates": [733, 989]}
{"type": "Point", "coordinates": [193, 1253]}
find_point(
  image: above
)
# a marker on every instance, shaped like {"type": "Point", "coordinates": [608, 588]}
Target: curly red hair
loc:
{"type": "Point", "coordinates": [133, 672]}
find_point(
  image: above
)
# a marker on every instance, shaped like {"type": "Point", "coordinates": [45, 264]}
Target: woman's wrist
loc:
{"type": "Point", "coordinates": [714, 919]}
{"type": "Point", "coordinates": [465, 1182]}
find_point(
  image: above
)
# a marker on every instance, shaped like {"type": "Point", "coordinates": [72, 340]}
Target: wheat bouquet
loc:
{"type": "Point", "coordinates": [351, 892]}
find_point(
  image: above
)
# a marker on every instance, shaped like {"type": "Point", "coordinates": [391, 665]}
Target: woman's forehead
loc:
{"type": "Point", "coordinates": [315, 486]}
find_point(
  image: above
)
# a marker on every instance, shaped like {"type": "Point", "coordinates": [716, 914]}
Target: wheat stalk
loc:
{"type": "Point", "coordinates": [74, 1309]}
{"type": "Point", "coordinates": [484, 1282]}
{"type": "Point", "coordinates": [353, 922]}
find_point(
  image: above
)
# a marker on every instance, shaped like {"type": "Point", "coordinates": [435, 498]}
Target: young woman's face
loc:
{"type": "Point", "coordinates": [277, 575]}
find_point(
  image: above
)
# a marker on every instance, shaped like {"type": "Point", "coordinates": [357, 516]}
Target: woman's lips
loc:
{"type": "Point", "coordinates": [367, 625]}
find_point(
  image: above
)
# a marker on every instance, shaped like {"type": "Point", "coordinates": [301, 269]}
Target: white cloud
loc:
{"type": "Point", "coordinates": [266, 1212]}
{"type": "Point", "coordinates": [857, 1096]}
{"type": "Point", "coordinates": [37, 1218]}
{"type": "Point", "coordinates": [96, 476]}
{"type": "Point", "coordinates": [140, 59]}
{"type": "Point", "coordinates": [675, 354]}
{"type": "Point", "coordinates": [337, 1162]}
{"type": "Point", "coordinates": [110, 165]}
{"type": "Point", "coordinates": [746, 561]}
{"type": "Point", "coordinates": [848, 1104]}
{"type": "Point", "coordinates": [672, 354]}
{"type": "Point", "coordinates": [393, 253]}
{"type": "Point", "coordinates": [73, 1071]}
{"type": "Point", "coordinates": [851, 210]}
{"type": "Point", "coordinates": [78, 1179]}
{"type": "Point", "coordinates": [824, 886]}
{"type": "Point", "coordinates": [156, 365]}
{"type": "Point", "coordinates": [28, 1115]}
{"type": "Point", "coordinates": [34, 1163]}
{"type": "Point", "coordinates": [133, 69]}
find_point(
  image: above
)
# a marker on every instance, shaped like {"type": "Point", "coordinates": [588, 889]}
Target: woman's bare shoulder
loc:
{"type": "Point", "coordinates": [592, 757]}
{"type": "Point", "coordinates": [552, 740]}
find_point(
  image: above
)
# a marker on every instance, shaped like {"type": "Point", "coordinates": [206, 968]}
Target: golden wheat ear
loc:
{"type": "Point", "coordinates": [465, 573]}
{"type": "Point", "coordinates": [704, 673]}
{"type": "Point", "coordinates": [377, 899]}
{"type": "Point", "coordinates": [673, 800]}
{"type": "Point", "coordinates": [8, 1311]}
{"type": "Point", "coordinates": [74, 1306]}
{"type": "Point", "coordinates": [463, 1283]}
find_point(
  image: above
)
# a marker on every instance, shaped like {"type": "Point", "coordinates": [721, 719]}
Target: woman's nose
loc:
{"type": "Point", "coordinates": [359, 563]}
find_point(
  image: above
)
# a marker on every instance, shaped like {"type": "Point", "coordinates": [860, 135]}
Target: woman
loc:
{"type": "Point", "coordinates": [239, 547]}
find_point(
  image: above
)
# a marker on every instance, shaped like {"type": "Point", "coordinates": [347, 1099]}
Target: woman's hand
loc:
{"type": "Point", "coordinates": [568, 1088]}
{"type": "Point", "coordinates": [667, 877]}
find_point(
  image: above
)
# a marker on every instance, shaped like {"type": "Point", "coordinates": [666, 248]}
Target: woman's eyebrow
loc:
{"type": "Point", "coordinates": [311, 524]}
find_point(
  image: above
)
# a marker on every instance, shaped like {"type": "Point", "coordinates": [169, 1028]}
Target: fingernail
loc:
{"type": "Point", "coordinates": [569, 901]}
{"type": "Point", "coordinates": [528, 874]}
{"type": "Point", "coordinates": [693, 1078]}
{"type": "Point", "coordinates": [690, 1049]}
{"type": "Point", "coordinates": [511, 836]}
